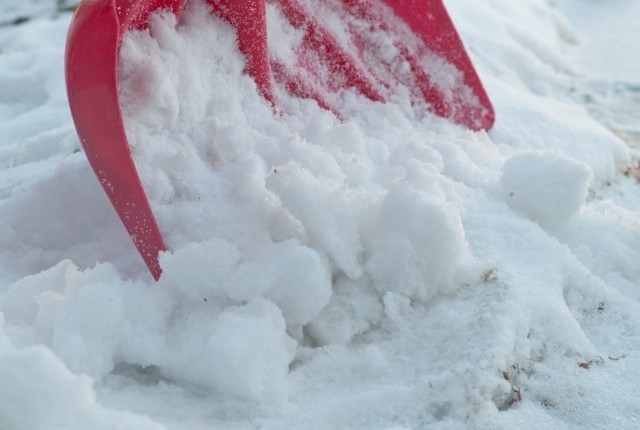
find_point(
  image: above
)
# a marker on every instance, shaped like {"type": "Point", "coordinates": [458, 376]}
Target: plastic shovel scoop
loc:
{"type": "Point", "coordinates": [373, 47]}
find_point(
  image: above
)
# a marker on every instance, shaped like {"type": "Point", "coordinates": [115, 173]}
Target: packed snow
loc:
{"type": "Point", "coordinates": [386, 270]}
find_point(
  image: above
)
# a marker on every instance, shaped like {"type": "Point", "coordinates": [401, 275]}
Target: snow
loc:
{"type": "Point", "coordinates": [383, 271]}
{"type": "Point", "coordinates": [549, 187]}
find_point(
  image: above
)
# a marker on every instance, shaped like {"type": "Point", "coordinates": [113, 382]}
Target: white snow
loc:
{"type": "Point", "coordinates": [547, 186]}
{"type": "Point", "coordinates": [383, 271]}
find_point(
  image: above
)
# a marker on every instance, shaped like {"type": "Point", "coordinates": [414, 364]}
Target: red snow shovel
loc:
{"type": "Point", "coordinates": [381, 47]}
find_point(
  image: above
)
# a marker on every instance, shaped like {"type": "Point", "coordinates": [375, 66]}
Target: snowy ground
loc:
{"type": "Point", "coordinates": [385, 272]}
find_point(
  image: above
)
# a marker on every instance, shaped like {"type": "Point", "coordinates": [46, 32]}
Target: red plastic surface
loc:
{"type": "Point", "coordinates": [92, 88]}
{"type": "Point", "coordinates": [91, 74]}
{"type": "Point", "coordinates": [431, 22]}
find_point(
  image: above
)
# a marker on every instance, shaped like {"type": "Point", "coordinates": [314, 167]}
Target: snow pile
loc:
{"type": "Point", "coordinates": [383, 271]}
{"type": "Point", "coordinates": [279, 215]}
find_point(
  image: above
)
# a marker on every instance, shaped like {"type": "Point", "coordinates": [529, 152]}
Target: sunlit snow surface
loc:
{"type": "Point", "coordinates": [382, 272]}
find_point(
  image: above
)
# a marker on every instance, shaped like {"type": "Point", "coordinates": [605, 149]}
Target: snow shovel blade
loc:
{"type": "Point", "coordinates": [468, 104]}
{"type": "Point", "coordinates": [380, 47]}
{"type": "Point", "coordinates": [90, 70]}
{"type": "Point", "coordinates": [327, 63]}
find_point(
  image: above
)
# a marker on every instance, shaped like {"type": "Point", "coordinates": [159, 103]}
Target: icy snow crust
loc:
{"type": "Point", "coordinates": [386, 271]}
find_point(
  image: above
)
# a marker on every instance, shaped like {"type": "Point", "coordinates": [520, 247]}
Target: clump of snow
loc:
{"type": "Point", "coordinates": [547, 186]}
{"type": "Point", "coordinates": [94, 320]}
{"type": "Point", "coordinates": [287, 273]}
{"type": "Point", "coordinates": [39, 391]}
{"type": "Point", "coordinates": [247, 354]}
{"type": "Point", "coordinates": [416, 240]}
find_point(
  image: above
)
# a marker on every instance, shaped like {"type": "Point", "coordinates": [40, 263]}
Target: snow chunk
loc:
{"type": "Point", "coordinates": [291, 275]}
{"type": "Point", "coordinates": [548, 186]}
{"type": "Point", "coordinates": [247, 355]}
{"type": "Point", "coordinates": [20, 305]}
{"type": "Point", "coordinates": [93, 321]}
{"type": "Point", "coordinates": [327, 211]}
{"type": "Point", "coordinates": [39, 392]}
{"type": "Point", "coordinates": [288, 273]}
{"type": "Point", "coordinates": [199, 269]}
{"type": "Point", "coordinates": [417, 240]}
